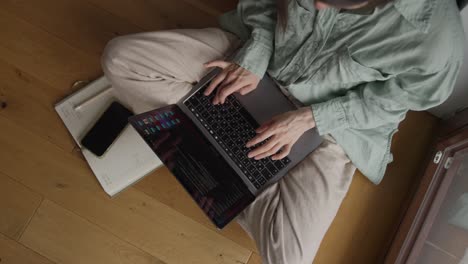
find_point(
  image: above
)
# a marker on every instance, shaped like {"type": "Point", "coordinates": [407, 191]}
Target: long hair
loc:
{"type": "Point", "coordinates": [282, 13]}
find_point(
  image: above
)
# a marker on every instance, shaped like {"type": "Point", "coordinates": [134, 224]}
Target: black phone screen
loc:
{"type": "Point", "coordinates": [106, 129]}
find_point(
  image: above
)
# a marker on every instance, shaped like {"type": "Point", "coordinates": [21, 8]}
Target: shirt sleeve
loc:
{"type": "Point", "coordinates": [371, 105]}
{"type": "Point", "coordinates": [260, 18]}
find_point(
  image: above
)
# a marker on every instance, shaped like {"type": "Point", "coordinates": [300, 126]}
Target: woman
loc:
{"type": "Point", "coordinates": [355, 67]}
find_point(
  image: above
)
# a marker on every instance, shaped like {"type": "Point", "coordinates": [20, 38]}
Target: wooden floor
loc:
{"type": "Point", "coordinates": [52, 209]}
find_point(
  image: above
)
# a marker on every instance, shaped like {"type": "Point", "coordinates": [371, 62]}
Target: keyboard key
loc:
{"type": "Point", "coordinates": [273, 170]}
{"type": "Point", "coordinates": [279, 164]}
{"type": "Point", "coordinates": [236, 149]}
{"type": "Point", "coordinates": [262, 180]}
{"type": "Point", "coordinates": [214, 126]}
{"type": "Point", "coordinates": [194, 101]}
{"type": "Point", "coordinates": [265, 173]}
{"type": "Point", "coordinates": [246, 162]}
{"type": "Point", "coordinates": [256, 174]}
{"type": "Point", "coordinates": [259, 166]}
{"type": "Point", "coordinates": [205, 114]}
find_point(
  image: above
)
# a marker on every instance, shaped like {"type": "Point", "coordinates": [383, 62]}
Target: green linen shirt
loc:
{"type": "Point", "coordinates": [360, 73]}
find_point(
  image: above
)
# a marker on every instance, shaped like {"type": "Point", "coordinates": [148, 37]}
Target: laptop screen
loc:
{"type": "Point", "coordinates": [193, 160]}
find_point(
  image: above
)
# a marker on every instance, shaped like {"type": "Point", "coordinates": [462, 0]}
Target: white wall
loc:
{"type": "Point", "coordinates": [459, 99]}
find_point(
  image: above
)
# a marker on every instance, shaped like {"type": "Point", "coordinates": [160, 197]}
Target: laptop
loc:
{"type": "Point", "coordinates": [203, 145]}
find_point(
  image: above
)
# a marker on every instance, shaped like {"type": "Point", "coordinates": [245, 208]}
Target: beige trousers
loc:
{"type": "Point", "coordinates": [290, 218]}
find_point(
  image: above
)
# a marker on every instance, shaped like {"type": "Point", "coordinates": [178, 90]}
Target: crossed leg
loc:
{"type": "Point", "coordinates": [290, 218]}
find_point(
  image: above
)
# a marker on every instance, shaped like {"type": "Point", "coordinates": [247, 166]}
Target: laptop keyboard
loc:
{"type": "Point", "coordinates": [232, 126]}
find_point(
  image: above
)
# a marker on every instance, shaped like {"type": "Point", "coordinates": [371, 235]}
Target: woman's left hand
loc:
{"type": "Point", "coordinates": [282, 132]}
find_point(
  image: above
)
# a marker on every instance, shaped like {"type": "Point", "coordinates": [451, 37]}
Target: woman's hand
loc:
{"type": "Point", "coordinates": [232, 79]}
{"type": "Point", "coordinates": [282, 132]}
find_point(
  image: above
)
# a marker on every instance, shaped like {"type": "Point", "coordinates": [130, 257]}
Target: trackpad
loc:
{"type": "Point", "coordinates": [266, 101]}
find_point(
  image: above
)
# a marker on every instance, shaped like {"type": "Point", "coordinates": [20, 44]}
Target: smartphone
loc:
{"type": "Point", "coordinates": [106, 130]}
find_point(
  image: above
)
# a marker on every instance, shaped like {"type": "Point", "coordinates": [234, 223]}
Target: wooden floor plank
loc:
{"type": "Point", "coordinates": [44, 56]}
{"type": "Point", "coordinates": [255, 259]}
{"type": "Point", "coordinates": [159, 14]}
{"type": "Point", "coordinates": [64, 237]}
{"type": "Point", "coordinates": [12, 252]}
{"type": "Point", "coordinates": [79, 23]}
{"type": "Point", "coordinates": [29, 103]}
{"type": "Point", "coordinates": [139, 203]}
{"type": "Point", "coordinates": [44, 122]}
{"type": "Point", "coordinates": [17, 205]}
{"type": "Point", "coordinates": [214, 7]}
{"type": "Point", "coordinates": [66, 180]}
{"type": "Point", "coordinates": [163, 186]}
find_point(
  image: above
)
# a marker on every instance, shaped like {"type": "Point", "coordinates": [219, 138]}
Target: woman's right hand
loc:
{"type": "Point", "coordinates": [232, 79]}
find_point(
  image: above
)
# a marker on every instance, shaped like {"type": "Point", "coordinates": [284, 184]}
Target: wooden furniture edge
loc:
{"type": "Point", "coordinates": [451, 131]}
